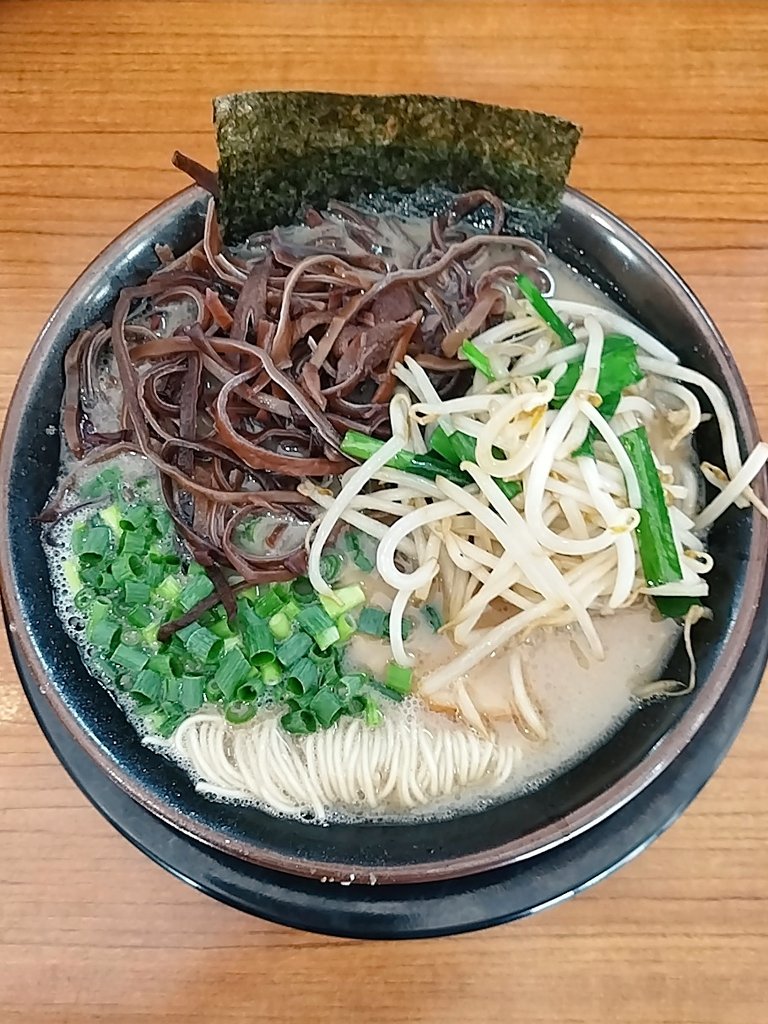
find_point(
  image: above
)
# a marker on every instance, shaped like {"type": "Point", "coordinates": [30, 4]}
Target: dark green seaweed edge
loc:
{"type": "Point", "coordinates": [280, 152]}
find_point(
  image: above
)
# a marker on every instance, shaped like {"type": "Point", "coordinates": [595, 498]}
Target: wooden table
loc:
{"type": "Point", "coordinates": [94, 96]}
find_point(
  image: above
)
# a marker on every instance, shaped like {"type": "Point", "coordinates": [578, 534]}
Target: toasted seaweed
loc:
{"type": "Point", "coordinates": [282, 151]}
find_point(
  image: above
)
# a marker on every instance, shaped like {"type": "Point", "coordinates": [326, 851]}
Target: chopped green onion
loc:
{"type": "Point", "coordinates": [221, 629]}
{"type": "Point", "coordinates": [372, 713]}
{"type": "Point", "coordinates": [127, 567]}
{"type": "Point", "coordinates": [433, 616]}
{"type": "Point", "coordinates": [326, 707]}
{"type": "Point", "coordinates": [99, 609]}
{"type": "Point", "coordinates": [293, 649]}
{"type": "Point", "coordinates": [478, 359]}
{"type": "Point", "coordinates": [204, 644]}
{"type": "Point", "coordinates": [280, 626]}
{"type": "Point", "coordinates": [149, 633]}
{"type": "Point", "coordinates": [161, 663]}
{"type": "Point", "coordinates": [257, 637]}
{"type": "Point", "coordinates": [386, 692]}
{"type": "Point", "coordinates": [291, 610]}
{"type": "Point", "coordinates": [169, 590]}
{"type": "Point", "coordinates": [268, 603]}
{"type": "Point", "coordinates": [232, 671]}
{"type": "Point", "coordinates": [316, 621]}
{"type": "Point", "coordinates": [306, 673]}
{"type": "Point", "coordinates": [346, 626]}
{"type": "Point", "coordinates": [300, 723]}
{"type": "Point", "coordinates": [168, 719]}
{"type": "Point", "coordinates": [134, 542]}
{"type": "Point", "coordinates": [140, 616]}
{"type": "Point", "coordinates": [72, 576]}
{"type": "Point", "coordinates": [342, 600]}
{"type": "Point", "coordinates": [374, 622]}
{"type": "Point", "coordinates": [196, 590]}
{"type": "Point", "coordinates": [106, 482]}
{"type": "Point", "coordinates": [543, 309]}
{"type": "Point", "coordinates": [239, 712]}
{"type": "Point", "coordinates": [111, 516]}
{"type": "Point", "coordinates": [136, 592]}
{"type": "Point", "coordinates": [137, 517]}
{"type": "Point", "coordinates": [302, 591]}
{"type": "Point", "coordinates": [149, 685]}
{"type": "Point", "coordinates": [330, 567]}
{"type": "Point", "coordinates": [132, 658]}
{"type": "Point", "coordinates": [398, 678]}
{"type": "Point", "coordinates": [104, 633]}
{"type": "Point", "coordinates": [95, 542]}
{"type": "Point", "coordinates": [191, 692]}
{"type": "Point", "coordinates": [250, 690]}
{"type": "Point", "coordinates": [353, 541]}
{"type": "Point", "coordinates": [270, 673]}
{"type": "Point", "coordinates": [84, 598]}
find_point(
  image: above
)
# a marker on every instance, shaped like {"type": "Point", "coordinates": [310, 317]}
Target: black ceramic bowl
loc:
{"type": "Point", "coordinates": [598, 244]}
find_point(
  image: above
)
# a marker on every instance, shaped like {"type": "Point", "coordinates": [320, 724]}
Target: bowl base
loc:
{"type": "Point", "coordinates": [427, 909]}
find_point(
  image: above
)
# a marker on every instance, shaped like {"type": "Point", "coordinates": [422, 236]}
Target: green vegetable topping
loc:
{"type": "Point", "coordinates": [284, 646]}
{"type": "Point", "coordinates": [543, 310]}
{"type": "Point", "coordinates": [655, 539]}
{"type": "Point", "coordinates": [361, 447]}
{"type": "Point", "coordinates": [398, 678]}
{"type": "Point", "coordinates": [478, 359]}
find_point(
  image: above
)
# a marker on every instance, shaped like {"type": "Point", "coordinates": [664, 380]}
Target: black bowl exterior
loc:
{"type": "Point", "coordinates": [502, 833]}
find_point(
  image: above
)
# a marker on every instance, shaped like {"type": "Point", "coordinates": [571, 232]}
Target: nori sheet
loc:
{"type": "Point", "coordinates": [280, 152]}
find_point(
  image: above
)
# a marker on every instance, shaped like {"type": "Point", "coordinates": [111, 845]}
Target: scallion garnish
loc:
{"type": "Point", "coordinates": [204, 644]}
{"type": "Point", "coordinates": [345, 599]}
{"type": "Point", "coordinates": [280, 626]}
{"type": "Point", "coordinates": [293, 649]}
{"type": "Point", "coordinates": [373, 622]}
{"type": "Point", "coordinates": [433, 616]}
{"type": "Point", "coordinates": [132, 658]}
{"type": "Point", "coordinates": [198, 588]}
{"type": "Point", "coordinates": [355, 543]}
{"type": "Point", "coordinates": [316, 621]}
{"type": "Point", "coordinates": [398, 678]}
{"type": "Point", "coordinates": [326, 707]}
{"type": "Point", "coordinates": [238, 712]}
{"type": "Point", "coordinates": [232, 671]}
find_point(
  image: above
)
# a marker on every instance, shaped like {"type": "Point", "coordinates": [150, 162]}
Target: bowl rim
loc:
{"type": "Point", "coordinates": [544, 838]}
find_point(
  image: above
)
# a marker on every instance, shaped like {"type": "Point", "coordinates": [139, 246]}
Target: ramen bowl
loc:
{"type": "Point", "coordinates": [600, 246]}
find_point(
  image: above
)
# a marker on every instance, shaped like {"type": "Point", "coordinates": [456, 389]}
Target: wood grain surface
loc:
{"type": "Point", "coordinates": [94, 96]}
